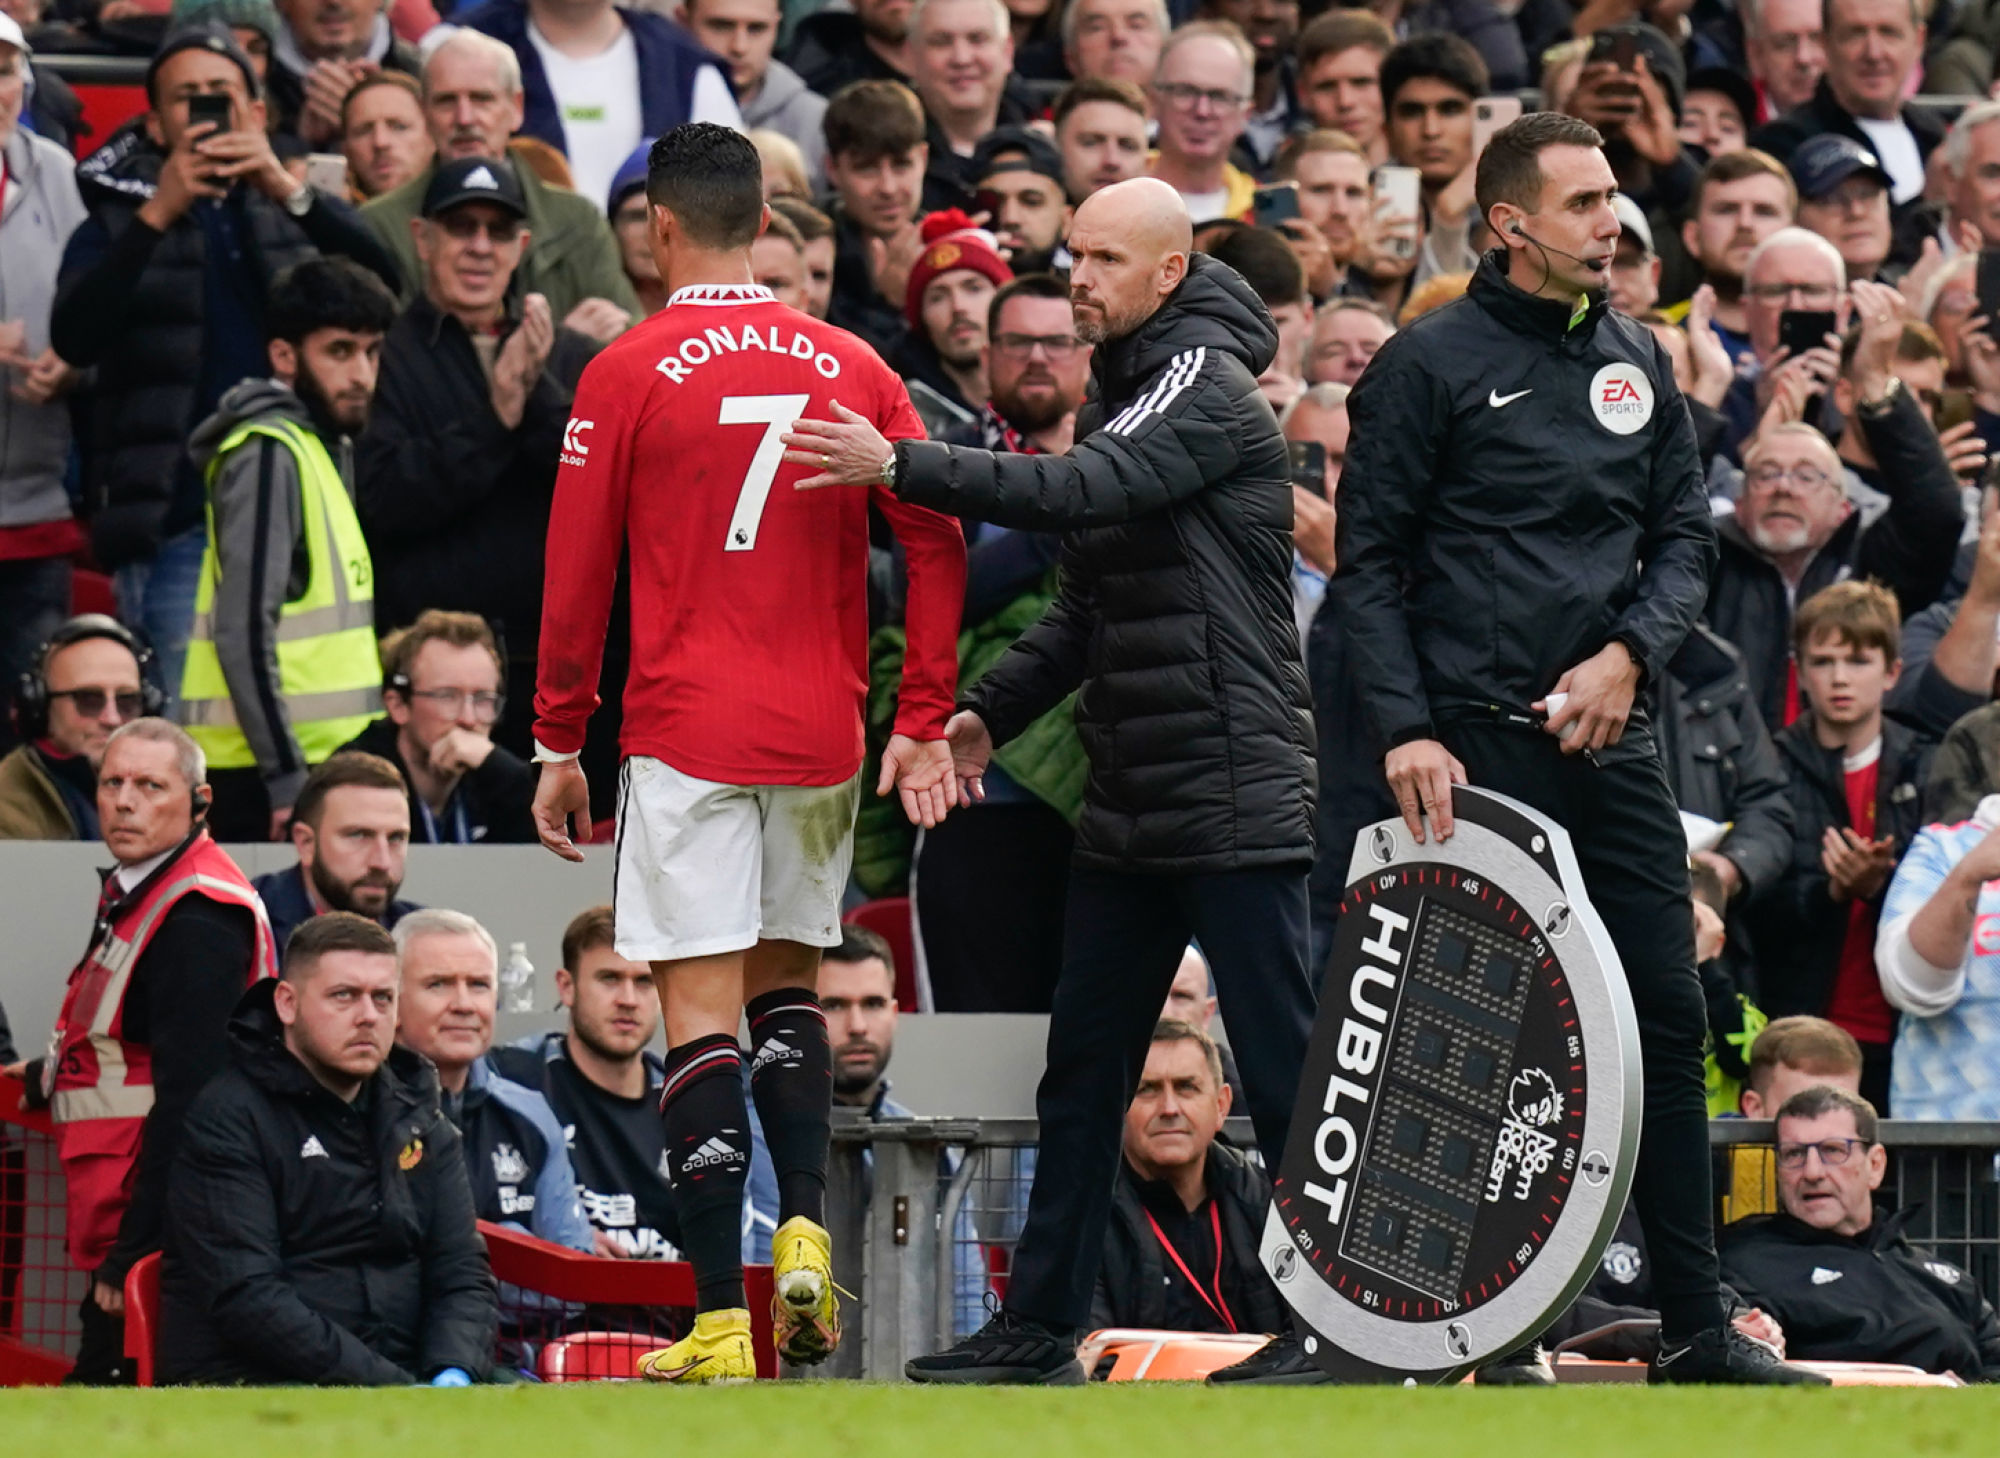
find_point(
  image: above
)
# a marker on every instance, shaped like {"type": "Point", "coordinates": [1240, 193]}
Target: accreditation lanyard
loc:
{"type": "Point", "coordinates": [461, 831]}
{"type": "Point", "coordinates": [1215, 1304]}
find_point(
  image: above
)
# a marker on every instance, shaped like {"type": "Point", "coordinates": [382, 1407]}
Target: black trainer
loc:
{"type": "Point", "coordinates": [1724, 1355]}
{"type": "Point", "coordinates": [1008, 1348]}
{"type": "Point", "coordinates": [1527, 1367]}
{"type": "Point", "coordinates": [1280, 1362]}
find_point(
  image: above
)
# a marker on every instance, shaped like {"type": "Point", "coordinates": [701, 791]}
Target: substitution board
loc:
{"type": "Point", "coordinates": [1469, 1114]}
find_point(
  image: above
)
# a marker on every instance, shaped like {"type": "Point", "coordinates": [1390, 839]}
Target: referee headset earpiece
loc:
{"type": "Point", "coordinates": [31, 691]}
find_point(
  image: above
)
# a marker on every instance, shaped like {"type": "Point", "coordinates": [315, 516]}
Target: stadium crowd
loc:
{"type": "Point", "coordinates": [290, 357]}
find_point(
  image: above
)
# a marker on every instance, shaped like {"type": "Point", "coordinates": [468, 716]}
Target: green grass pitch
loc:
{"type": "Point", "coordinates": [853, 1420]}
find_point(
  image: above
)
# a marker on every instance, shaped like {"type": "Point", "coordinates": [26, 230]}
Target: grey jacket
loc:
{"type": "Point", "coordinates": [259, 526]}
{"type": "Point", "coordinates": [786, 105]}
{"type": "Point", "coordinates": [39, 212]}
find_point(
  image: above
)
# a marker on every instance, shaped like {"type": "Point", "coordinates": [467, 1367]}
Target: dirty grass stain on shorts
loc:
{"type": "Point", "coordinates": [825, 820]}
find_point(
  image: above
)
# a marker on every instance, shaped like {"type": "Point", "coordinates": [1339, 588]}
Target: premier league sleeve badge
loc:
{"type": "Point", "coordinates": [1469, 1115]}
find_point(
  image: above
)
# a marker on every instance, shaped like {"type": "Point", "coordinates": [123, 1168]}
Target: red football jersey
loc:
{"type": "Point", "coordinates": [749, 596]}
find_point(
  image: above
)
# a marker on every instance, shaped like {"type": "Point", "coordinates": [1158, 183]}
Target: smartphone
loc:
{"type": "Point", "coordinates": [1309, 466]}
{"type": "Point", "coordinates": [1489, 114]}
{"type": "Point", "coordinates": [209, 107]}
{"type": "Point", "coordinates": [1275, 204]}
{"type": "Point", "coordinates": [1399, 194]}
{"type": "Point", "coordinates": [1802, 329]}
{"type": "Point", "coordinates": [326, 173]}
{"type": "Point", "coordinates": [1620, 48]}
{"type": "Point", "coordinates": [1989, 287]}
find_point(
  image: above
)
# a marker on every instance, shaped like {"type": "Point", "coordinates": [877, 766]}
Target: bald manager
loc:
{"type": "Point", "coordinates": [1173, 626]}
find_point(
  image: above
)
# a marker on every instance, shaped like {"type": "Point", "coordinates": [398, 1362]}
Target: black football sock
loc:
{"type": "Point", "coordinates": [707, 1124]}
{"type": "Point", "coordinates": [791, 1078]}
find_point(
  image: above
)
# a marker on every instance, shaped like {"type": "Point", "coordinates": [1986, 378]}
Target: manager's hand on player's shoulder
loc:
{"type": "Point", "coordinates": [560, 794]}
{"type": "Point", "coordinates": [849, 450]}
{"type": "Point", "coordinates": [921, 771]}
{"type": "Point", "coordinates": [1421, 774]}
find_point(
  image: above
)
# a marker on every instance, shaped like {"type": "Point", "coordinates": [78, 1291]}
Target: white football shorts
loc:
{"type": "Point", "coordinates": [705, 868]}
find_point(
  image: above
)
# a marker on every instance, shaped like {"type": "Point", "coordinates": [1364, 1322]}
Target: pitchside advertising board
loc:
{"type": "Point", "coordinates": [1469, 1115]}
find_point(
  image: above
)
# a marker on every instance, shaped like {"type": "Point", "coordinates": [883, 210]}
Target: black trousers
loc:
{"type": "Point", "coordinates": [1124, 934]}
{"type": "Point", "coordinates": [991, 883]}
{"type": "Point", "coordinates": [100, 1352]}
{"type": "Point", "coordinates": [1628, 840]}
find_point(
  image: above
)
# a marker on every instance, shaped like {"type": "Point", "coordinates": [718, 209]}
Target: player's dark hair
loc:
{"type": "Point", "coordinates": [589, 929]}
{"type": "Point", "coordinates": [1823, 1098]}
{"type": "Point", "coordinates": [1173, 1030]}
{"type": "Point", "coordinates": [859, 944]}
{"type": "Point", "coordinates": [1267, 262]}
{"type": "Point", "coordinates": [868, 121]}
{"type": "Point", "coordinates": [327, 293]}
{"type": "Point", "coordinates": [710, 178]}
{"type": "Point", "coordinates": [1438, 56]}
{"type": "Point", "coordinates": [1510, 169]}
{"type": "Point", "coordinates": [334, 931]}
{"type": "Point", "coordinates": [340, 771]}
{"type": "Point", "coordinates": [1027, 286]}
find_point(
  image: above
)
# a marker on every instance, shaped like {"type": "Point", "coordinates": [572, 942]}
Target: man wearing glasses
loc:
{"type": "Point", "coordinates": [441, 686]}
{"type": "Point", "coordinates": [84, 682]}
{"type": "Point", "coordinates": [1202, 98]}
{"type": "Point", "coordinates": [1834, 1267]}
{"type": "Point", "coordinates": [1790, 534]}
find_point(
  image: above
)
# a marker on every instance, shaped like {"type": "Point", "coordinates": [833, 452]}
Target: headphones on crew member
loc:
{"type": "Point", "coordinates": [31, 692]}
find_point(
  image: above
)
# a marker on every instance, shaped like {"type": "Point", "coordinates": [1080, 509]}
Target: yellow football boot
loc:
{"type": "Point", "coordinates": [717, 1350]}
{"type": "Point", "coordinates": [805, 1312]}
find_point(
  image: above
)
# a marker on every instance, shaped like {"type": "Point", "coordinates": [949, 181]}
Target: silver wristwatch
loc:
{"type": "Point", "coordinates": [299, 203]}
{"type": "Point", "coordinates": [887, 474]}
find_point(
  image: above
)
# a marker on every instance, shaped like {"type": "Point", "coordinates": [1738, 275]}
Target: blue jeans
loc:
{"type": "Point", "coordinates": [34, 601]}
{"type": "Point", "coordinates": [157, 599]}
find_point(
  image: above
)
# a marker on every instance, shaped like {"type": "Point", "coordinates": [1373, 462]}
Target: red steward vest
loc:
{"type": "Point", "coordinates": [103, 1085]}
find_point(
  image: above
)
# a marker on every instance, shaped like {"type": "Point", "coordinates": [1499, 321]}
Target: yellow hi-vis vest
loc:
{"type": "Point", "coordinates": [329, 669]}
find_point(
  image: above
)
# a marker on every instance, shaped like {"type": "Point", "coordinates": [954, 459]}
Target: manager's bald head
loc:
{"type": "Point", "coordinates": [1131, 242]}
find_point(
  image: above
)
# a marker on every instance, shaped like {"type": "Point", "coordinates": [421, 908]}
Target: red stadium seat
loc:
{"type": "Point", "coordinates": [594, 1356]}
{"type": "Point", "coordinates": [90, 592]}
{"type": "Point", "coordinates": [889, 918]}
{"type": "Point", "coordinates": [142, 1315]}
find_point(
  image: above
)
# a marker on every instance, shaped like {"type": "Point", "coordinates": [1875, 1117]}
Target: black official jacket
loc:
{"type": "Point", "coordinates": [1173, 619]}
{"type": "Point", "coordinates": [313, 1241]}
{"type": "Point", "coordinates": [1871, 1297]}
{"type": "Point", "coordinates": [1518, 494]}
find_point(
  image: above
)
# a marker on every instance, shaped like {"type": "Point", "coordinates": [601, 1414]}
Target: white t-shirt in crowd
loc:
{"type": "Point", "coordinates": [597, 98]}
{"type": "Point", "coordinates": [1205, 207]}
{"type": "Point", "coordinates": [1896, 149]}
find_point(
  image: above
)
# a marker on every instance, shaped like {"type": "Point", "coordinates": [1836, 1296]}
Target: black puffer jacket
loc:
{"type": "Point", "coordinates": [1871, 1297]}
{"type": "Point", "coordinates": [1518, 494]}
{"type": "Point", "coordinates": [312, 1241]}
{"type": "Point", "coordinates": [131, 302]}
{"type": "Point", "coordinates": [1173, 620]}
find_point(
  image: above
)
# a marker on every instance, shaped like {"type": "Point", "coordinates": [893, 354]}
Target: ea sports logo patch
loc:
{"type": "Point", "coordinates": [1622, 396]}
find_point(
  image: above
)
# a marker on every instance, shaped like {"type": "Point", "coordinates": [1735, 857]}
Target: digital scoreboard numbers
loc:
{"type": "Point", "coordinates": [1467, 1122]}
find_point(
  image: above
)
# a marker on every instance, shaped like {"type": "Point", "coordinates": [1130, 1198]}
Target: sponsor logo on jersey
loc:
{"type": "Point", "coordinates": [513, 1202]}
{"type": "Point", "coordinates": [575, 449]}
{"type": "Point", "coordinates": [1622, 398]}
{"type": "Point", "coordinates": [313, 1149]}
{"type": "Point", "coordinates": [510, 1166]}
{"type": "Point", "coordinates": [719, 339]}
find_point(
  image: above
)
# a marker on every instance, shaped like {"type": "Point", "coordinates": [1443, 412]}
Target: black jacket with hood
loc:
{"type": "Point", "coordinates": [312, 1241]}
{"type": "Point", "coordinates": [1173, 619]}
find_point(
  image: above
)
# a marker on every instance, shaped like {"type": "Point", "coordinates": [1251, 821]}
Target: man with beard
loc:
{"type": "Point", "coordinates": [1740, 199]}
{"type": "Point", "coordinates": [1018, 176]}
{"type": "Point", "coordinates": [943, 359]}
{"type": "Point", "coordinates": [993, 875]}
{"type": "Point", "coordinates": [281, 665]}
{"type": "Point", "coordinates": [871, 42]}
{"type": "Point", "coordinates": [351, 828]}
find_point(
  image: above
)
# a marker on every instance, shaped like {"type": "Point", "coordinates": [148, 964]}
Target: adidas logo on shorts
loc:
{"type": "Point", "coordinates": [774, 1050]}
{"type": "Point", "coordinates": [715, 1152]}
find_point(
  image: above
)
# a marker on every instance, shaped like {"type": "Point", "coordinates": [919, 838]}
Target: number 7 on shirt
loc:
{"type": "Point", "coordinates": [776, 414]}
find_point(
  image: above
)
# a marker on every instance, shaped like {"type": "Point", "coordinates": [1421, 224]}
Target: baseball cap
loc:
{"type": "Point", "coordinates": [1632, 219]}
{"type": "Point", "coordinates": [258, 15]}
{"type": "Point", "coordinates": [10, 34]}
{"type": "Point", "coordinates": [475, 179]}
{"type": "Point", "coordinates": [1822, 163]}
{"type": "Point", "coordinates": [205, 36]}
{"type": "Point", "coordinates": [1015, 149]}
